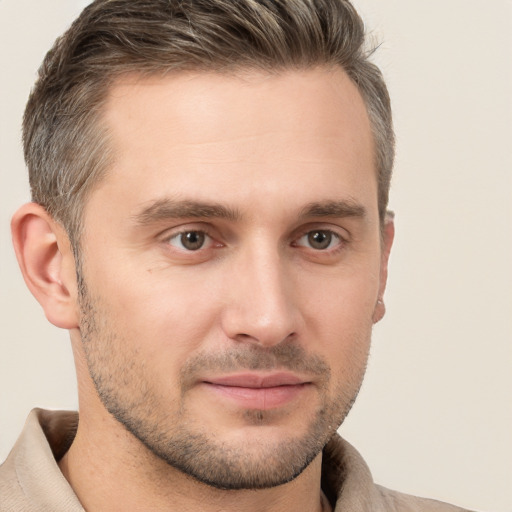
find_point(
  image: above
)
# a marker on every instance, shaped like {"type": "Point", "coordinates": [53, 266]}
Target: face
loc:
{"type": "Point", "coordinates": [232, 264]}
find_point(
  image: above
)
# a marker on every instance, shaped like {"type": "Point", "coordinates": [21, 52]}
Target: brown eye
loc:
{"type": "Point", "coordinates": [319, 239]}
{"type": "Point", "coordinates": [192, 240]}
{"type": "Point", "coordinates": [189, 240]}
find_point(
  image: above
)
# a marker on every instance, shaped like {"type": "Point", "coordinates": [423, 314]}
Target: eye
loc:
{"type": "Point", "coordinates": [319, 239]}
{"type": "Point", "coordinates": [189, 240]}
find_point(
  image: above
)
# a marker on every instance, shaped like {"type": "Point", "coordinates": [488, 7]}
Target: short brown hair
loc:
{"type": "Point", "coordinates": [67, 150]}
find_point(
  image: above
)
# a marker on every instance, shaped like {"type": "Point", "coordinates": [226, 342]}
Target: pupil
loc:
{"type": "Point", "coordinates": [319, 239]}
{"type": "Point", "coordinates": [193, 240]}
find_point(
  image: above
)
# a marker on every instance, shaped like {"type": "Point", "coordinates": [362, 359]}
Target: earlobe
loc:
{"type": "Point", "coordinates": [47, 263]}
{"type": "Point", "coordinates": [388, 235]}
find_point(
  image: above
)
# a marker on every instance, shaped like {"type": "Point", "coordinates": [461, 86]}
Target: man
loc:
{"type": "Point", "coordinates": [210, 184]}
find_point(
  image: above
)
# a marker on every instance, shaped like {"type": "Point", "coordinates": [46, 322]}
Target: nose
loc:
{"type": "Point", "coordinates": [262, 302]}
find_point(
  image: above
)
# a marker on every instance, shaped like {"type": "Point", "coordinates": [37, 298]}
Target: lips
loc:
{"type": "Point", "coordinates": [258, 391]}
{"type": "Point", "coordinates": [254, 380]}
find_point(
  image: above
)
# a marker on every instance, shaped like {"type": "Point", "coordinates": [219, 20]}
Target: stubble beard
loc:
{"type": "Point", "coordinates": [124, 387]}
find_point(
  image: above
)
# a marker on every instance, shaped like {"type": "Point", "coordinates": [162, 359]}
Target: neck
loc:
{"type": "Point", "coordinates": [110, 470]}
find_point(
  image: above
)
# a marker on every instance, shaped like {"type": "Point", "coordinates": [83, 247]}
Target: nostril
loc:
{"type": "Point", "coordinates": [265, 339]}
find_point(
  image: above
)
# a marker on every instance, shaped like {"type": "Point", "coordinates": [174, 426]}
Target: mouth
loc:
{"type": "Point", "coordinates": [258, 391]}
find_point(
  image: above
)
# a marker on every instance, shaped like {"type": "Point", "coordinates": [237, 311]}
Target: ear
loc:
{"type": "Point", "coordinates": [388, 234]}
{"type": "Point", "coordinates": [46, 260]}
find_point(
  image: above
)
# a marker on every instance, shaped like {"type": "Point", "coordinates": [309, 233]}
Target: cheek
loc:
{"type": "Point", "coordinates": [162, 317]}
{"type": "Point", "coordinates": [342, 300]}
{"type": "Point", "coordinates": [339, 320]}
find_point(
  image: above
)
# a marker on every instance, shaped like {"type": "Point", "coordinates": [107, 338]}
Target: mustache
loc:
{"type": "Point", "coordinates": [285, 356]}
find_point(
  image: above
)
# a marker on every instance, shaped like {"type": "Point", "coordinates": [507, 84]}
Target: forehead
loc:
{"type": "Point", "coordinates": [234, 136]}
{"type": "Point", "coordinates": [196, 105]}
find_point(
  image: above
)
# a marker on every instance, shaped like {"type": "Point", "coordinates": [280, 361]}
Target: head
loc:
{"type": "Point", "coordinates": [67, 146]}
{"type": "Point", "coordinates": [220, 172]}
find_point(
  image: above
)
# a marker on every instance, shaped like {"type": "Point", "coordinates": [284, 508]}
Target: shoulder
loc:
{"type": "Point", "coordinates": [30, 479]}
{"type": "Point", "coordinates": [348, 482]}
{"type": "Point", "coordinates": [399, 502]}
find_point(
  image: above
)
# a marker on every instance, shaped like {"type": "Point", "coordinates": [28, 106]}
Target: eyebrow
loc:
{"type": "Point", "coordinates": [340, 209]}
{"type": "Point", "coordinates": [164, 209]}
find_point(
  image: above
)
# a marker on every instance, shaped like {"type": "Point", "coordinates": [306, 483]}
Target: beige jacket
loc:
{"type": "Point", "coordinates": [30, 479]}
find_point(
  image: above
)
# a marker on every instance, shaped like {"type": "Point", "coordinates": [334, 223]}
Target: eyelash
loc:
{"type": "Point", "coordinates": [332, 236]}
{"type": "Point", "coordinates": [180, 234]}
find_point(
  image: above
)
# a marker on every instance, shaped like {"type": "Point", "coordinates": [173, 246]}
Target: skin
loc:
{"type": "Point", "coordinates": [276, 172]}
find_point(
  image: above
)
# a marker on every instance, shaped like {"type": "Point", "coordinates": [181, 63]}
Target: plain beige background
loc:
{"type": "Point", "coordinates": [434, 417]}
